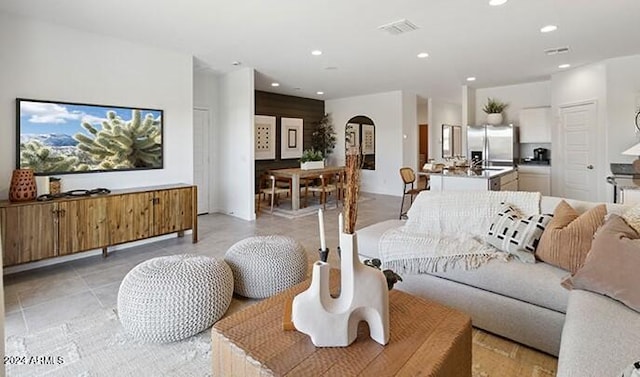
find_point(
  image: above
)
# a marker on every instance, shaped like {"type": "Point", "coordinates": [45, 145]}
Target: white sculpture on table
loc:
{"type": "Point", "coordinates": [364, 296]}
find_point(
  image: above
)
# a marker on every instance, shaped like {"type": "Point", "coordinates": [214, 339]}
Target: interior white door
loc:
{"type": "Point", "coordinates": [578, 148]}
{"type": "Point", "coordinates": [201, 157]}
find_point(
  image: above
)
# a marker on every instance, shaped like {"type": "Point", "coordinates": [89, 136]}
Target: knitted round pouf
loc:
{"type": "Point", "coordinates": [267, 265]}
{"type": "Point", "coordinates": [170, 298]}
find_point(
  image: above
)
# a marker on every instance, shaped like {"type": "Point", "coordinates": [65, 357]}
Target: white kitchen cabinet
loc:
{"type": "Point", "coordinates": [534, 178]}
{"type": "Point", "coordinates": [535, 125]}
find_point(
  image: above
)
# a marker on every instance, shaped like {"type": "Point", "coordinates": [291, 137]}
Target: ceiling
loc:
{"type": "Point", "coordinates": [498, 45]}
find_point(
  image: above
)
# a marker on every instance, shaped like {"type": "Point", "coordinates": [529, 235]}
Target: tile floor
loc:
{"type": "Point", "coordinates": [47, 296]}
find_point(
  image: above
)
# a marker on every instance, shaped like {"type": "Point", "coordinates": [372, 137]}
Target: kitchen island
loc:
{"type": "Point", "coordinates": [464, 179]}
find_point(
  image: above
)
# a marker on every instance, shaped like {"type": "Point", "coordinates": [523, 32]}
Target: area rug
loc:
{"type": "Point", "coordinates": [97, 345]}
{"type": "Point", "coordinates": [284, 210]}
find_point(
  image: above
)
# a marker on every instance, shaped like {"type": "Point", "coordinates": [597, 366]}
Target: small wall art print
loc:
{"type": "Point", "coordinates": [265, 139]}
{"type": "Point", "coordinates": [352, 135]}
{"type": "Point", "coordinates": [368, 139]}
{"type": "Point", "coordinates": [291, 138]}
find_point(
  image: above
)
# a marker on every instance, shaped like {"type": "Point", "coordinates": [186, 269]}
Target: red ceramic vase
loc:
{"type": "Point", "coordinates": [23, 186]}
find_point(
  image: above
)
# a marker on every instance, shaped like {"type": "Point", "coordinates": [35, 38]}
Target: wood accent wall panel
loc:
{"type": "Point", "coordinates": [129, 217]}
{"type": "Point", "coordinates": [83, 225]}
{"type": "Point", "coordinates": [279, 105]}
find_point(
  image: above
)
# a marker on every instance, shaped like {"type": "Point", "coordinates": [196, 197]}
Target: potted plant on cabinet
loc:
{"type": "Point", "coordinates": [311, 159]}
{"type": "Point", "coordinates": [494, 109]}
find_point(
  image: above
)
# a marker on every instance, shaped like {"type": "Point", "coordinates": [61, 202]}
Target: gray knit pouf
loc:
{"type": "Point", "coordinates": [266, 265]}
{"type": "Point", "coordinates": [170, 298]}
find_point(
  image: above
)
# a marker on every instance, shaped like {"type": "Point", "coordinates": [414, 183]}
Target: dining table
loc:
{"type": "Point", "coordinates": [295, 174]}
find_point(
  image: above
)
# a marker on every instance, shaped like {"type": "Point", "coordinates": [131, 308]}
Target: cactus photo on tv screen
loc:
{"type": "Point", "coordinates": [65, 138]}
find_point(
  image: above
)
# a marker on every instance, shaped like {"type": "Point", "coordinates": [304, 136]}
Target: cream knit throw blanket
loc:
{"type": "Point", "coordinates": [447, 230]}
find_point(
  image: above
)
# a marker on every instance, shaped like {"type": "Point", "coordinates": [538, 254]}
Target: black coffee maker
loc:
{"type": "Point", "coordinates": [541, 154]}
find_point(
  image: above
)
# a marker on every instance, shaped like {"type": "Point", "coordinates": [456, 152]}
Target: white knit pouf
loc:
{"type": "Point", "coordinates": [171, 298]}
{"type": "Point", "coordinates": [266, 265]}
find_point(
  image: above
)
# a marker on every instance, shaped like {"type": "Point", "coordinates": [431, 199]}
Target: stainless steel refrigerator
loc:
{"type": "Point", "coordinates": [493, 145]}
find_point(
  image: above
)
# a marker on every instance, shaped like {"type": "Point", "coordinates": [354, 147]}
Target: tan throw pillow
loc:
{"type": "Point", "coordinates": [611, 268]}
{"type": "Point", "coordinates": [567, 239]}
{"type": "Point", "coordinates": [632, 217]}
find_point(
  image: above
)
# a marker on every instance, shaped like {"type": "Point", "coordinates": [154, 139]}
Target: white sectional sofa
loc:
{"type": "Point", "coordinates": [592, 334]}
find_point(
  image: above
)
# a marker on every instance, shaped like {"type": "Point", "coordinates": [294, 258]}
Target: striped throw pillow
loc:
{"type": "Point", "coordinates": [516, 235]}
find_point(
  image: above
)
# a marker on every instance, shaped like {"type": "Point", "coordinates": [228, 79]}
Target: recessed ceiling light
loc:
{"type": "Point", "coordinates": [548, 28]}
{"type": "Point", "coordinates": [319, 93]}
{"type": "Point", "coordinates": [236, 63]}
{"type": "Point", "coordinates": [423, 55]}
{"type": "Point", "coordinates": [275, 84]}
{"type": "Point", "coordinates": [495, 3]}
{"type": "Point", "coordinates": [471, 78]}
{"type": "Point", "coordinates": [316, 52]}
{"type": "Point", "coordinates": [563, 66]}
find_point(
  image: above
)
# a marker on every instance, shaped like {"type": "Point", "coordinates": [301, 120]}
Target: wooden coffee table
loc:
{"type": "Point", "coordinates": [427, 339]}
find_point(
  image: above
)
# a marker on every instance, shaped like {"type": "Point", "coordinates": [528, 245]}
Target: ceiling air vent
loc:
{"type": "Point", "coordinates": [555, 51]}
{"type": "Point", "coordinates": [399, 27]}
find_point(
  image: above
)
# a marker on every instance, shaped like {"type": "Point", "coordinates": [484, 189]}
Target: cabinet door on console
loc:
{"type": "Point", "coordinates": [172, 211]}
{"type": "Point", "coordinates": [129, 217]}
{"type": "Point", "coordinates": [29, 233]}
{"type": "Point", "coordinates": [83, 225]}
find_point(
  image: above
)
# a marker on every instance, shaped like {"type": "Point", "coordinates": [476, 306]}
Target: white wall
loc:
{"type": "Point", "coordinates": [386, 111]}
{"type": "Point", "coordinates": [205, 96]}
{"type": "Point", "coordinates": [441, 112]}
{"type": "Point", "coordinates": [534, 94]}
{"type": "Point", "coordinates": [49, 62]}
{"type": "Point", "coordinates": [588, 83]}
{"type": "Point", "coordinates": [235, 165]}
{"type": "Point", "coordinates": [410, 137]}
{"type": "Point", "coordinates": [623, 100]}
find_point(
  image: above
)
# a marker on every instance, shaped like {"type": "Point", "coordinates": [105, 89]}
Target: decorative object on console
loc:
{"type": "Point", "coordinates": [567, 239]}
{"type": "Point", "coordinates": [23, 186]}
{"type": "Point", "coordinates": [364, 296]}
{"type": "Point", "coordinates": [74, 193]}
{"type": "Point", "coordinates": [65, 138]}
{"type": "Point", "coordinates": [611, 266]}
{"type": "Point", "coordinates": [55, 185]}
{"type": "Point", "coordinates": [634, 151]}
{"type": "Point", "coordinates": [494, 108]}
{"type": "Point", "coordinates": [518, 236]}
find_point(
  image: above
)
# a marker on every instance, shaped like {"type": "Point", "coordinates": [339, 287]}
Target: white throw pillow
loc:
{"type": "Point", "coordinates": [518, 236]}
{"type": "Point", "coordinates": [632, 217]}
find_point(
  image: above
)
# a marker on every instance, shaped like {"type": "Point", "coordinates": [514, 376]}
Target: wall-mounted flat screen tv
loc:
{"type": "Point", "coordinates": [66, 138]}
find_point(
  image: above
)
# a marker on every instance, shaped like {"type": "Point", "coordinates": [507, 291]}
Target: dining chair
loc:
{"type": "Point", "coordinates": [268, 187]}
{"type": "Point", "coordinates": [408, 179]}
{"type": "Point", "coordinates": [328, 184]}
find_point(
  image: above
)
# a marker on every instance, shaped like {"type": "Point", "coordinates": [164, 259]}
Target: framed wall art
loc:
{"type": "Point", "coordinates": [368, 139]}
{"type": "Point", "coordinates": [265, 137]}
{"type": "Point", "coordinates": [291, 138]}
{"type": "Point", "coordinates": [352, 134]}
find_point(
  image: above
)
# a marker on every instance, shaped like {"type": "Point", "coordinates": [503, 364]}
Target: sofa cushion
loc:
{"type": "Point", "coordinates": [567, 239]}
{"type": "Point", "coordinates": [537, 284]}
{"type": "Point", "coordinates": [611, 268]}
{"type": "Point", "coordinates": [369, 237]}
{"type": "Point", "coordinates": [599, 337]}
{"type": "Point", "coordinates": [513, 234]}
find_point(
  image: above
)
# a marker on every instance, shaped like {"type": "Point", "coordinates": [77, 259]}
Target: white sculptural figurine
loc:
{"type": "Point", "coordinates": [364, 296]}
